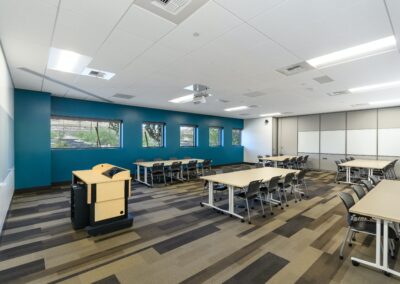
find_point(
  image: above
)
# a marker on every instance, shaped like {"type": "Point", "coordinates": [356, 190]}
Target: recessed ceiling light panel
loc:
{"type": "Point", "coordinates": [270, 114]}
{"type": "Point", "coordinates": [375, 87]}
{"type": "Point", "coordinates": [183, 99]}
{"type": "Point", "coordinates": [236, 108]}
{"type": "Point", "coordinates": [67, 61]}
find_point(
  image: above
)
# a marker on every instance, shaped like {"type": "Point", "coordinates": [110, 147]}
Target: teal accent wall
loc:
{"type": "Point", "coordinates": [55, 165]}
{"type": "Point", "coordinates": [32, 139]}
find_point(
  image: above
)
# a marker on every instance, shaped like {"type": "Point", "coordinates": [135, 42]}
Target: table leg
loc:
{"type": "Point", "coordinates": [138, 172]}
{"type": "Point", "coordinates": [275, 164]}
{"type": "Point", "coordinates": [370, 173]}
{"type": "Point", "coordinates": [385, 244]}
{"type": "Point", "coordinates": [231, 199]}
{"type": "Point", "coordinates": [378, 243]}
{"type": "Point", "coordinates": [348, 175]}
{"type": "Point", "coordinates": [145, 175]}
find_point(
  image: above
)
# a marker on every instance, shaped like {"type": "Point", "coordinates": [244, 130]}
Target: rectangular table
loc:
{"type": "Point", "coordinates": [382, 204]}
{"type": "Point", "coordinates": [371, 165]}
{"type": "Point", "coordinates": [277, 159]}
{"type": "Point", "coordinates": [240, 179]}
{"type": "Point", "coordinates": [167, 163]}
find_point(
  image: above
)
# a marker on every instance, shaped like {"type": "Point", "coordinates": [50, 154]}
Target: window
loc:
{"type": "Point", "coordinates": [77, 133]}
{"type": "Point", "coordinates": [187, 137]}
{"type": "Point", "coordinates": [153, 134]}
{"type": "Point", "coordinates": [215, 136]}
{"type": "Point", "coordinates": [236, 137]}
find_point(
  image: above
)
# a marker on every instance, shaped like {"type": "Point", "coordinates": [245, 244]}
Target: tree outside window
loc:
{"type": "Point", "coordinates": [236, 137]}
{"type": "Point", "coordinates": [187, 137]}
{"type": "Point", "coordinates": [215, 136]}
{"type": "Point", "coordinates": [153, 134]}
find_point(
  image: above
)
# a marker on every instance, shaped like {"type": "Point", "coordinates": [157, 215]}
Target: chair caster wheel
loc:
{"type": "Point", "coordinates": [350, 245]}
{"type": "Point", "coordinates": [387, 274]}
{"type": "Point", "coordinates": [281, 208]}
{"type": "Point", "coordinates": [295, 201]}
{"type": "Point", "coordinates": [392, 257]}
{"type": "Point", "coordinates": [341, 256]}
{"type": "Point", "coordinates": [287, 205]}
{"type": "Point", "coordinates": [201, 204]}
{"type": "Point", "coordinates": [353, 239]}
{"type": "Point", "coordinates": [264, 216]}
{"type": "Point", "coordinates": [355, 263]}
{"type": "Point", "coordinates": [249, 222]}
{"type": "Point", "coordinates": [230, 215]}
{"type": "Point", "coordinates": [242, 220]}
{"type": "Point", "coordinates": [272, 213]}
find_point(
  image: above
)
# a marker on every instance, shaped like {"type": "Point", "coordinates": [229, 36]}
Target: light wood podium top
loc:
{"type": "Point", "coordinates": [366, 164]}
{"type": "Point", "coordinates": [166, 162]}
{"type": "Point", "coordinates": [381, 203]}
{"type": "Point", "coordinates": [243, 178]}
{"type": "Point", "coordinates": [277, 158]}
{"type": "Point", "coordinates": [95, 175]}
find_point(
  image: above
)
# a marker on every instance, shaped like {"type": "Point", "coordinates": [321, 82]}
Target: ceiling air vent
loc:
{"type": "Point", "coordinates": [338, 93]}
{"type": "Point", "coordinates": [123, 96]}
{"type": "Point", "coordinates": [171, 6]}
{"type": "Point", "coordinates": [295, 68]}
{"type": "Point", "coordinates": [323, 79]}
{"type": "Point", "coordinates": [98, 73]}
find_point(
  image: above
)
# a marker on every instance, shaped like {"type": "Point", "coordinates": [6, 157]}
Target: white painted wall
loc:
{"type": "Point", "coordinates": [257, 138]}
{"type": "Point", "coordinates": [7, 109]}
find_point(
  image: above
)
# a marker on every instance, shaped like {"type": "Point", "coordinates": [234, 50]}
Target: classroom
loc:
{"type": "Point", "coordinates": [199, 141]}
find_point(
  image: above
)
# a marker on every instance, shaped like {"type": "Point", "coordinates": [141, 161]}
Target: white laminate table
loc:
{"type": "Point", "coordinates": [382, 204]}
{"type": "Point", "coordinates": [167, 163]}
{"type": "Point", "coordinates": [240, 179]}
{"type": "Point", "coordinates": [277, 159]}
{"type": "Point", "coordinates": [371, 165]}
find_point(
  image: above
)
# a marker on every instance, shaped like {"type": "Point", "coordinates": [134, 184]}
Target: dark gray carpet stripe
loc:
{"type": "Point", "coordinates": [112, 279]}
{"type": "Point", "coordinates": [11, 274]}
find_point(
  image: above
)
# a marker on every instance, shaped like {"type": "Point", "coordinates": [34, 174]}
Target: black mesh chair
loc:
{"type": "Point", "coordinates": [292, 163]}
{"type": "Point", "coordinates": [299, 162]}
{"type": "Point", "coordinates": [360, 225]}
{"type": "Point", "coordinates": [268, 191]}
{"type": "Point", "coordinates": [340, 172]}
{"type": "Point", "coordinates": [352, 158]}
{"type": "Point", "coordinates": [348, 159]}
{"type": "Point", "coordinates": [375, 180]}
{"type": "Point", "coordinates": [205, 166]}
{"type": "Point", "coordinates": [284, 164]}
{"type": "Point", "coordinates": [359, 191]}
{"type": "Point", "coordinates": [300, 182]}
{"type": "Point", "coordinates": [260, 158]}
{"type": "Point", "coordinates": [249, 194]}
{"type": "Point", "coordinates": [259, 165]}
{"type": "Point", "coordinates": [157, 171]}
{"type": "Point", "coordinates": [368, 185]}
{"type": "Point", "coordinates": [174, 171]}
{"type": "Point", "coordinates": [191, 169]}
{"type": "Point", "coordinates": [285, 185]}
{"type": "Point", "coordinates": [304, 162]}
{"type": "Point", "coordinates": [218, 188]}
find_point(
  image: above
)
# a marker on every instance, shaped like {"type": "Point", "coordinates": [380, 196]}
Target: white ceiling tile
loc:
{"type": "Point", "coordinates": [119, 49]}
{"type": "Point", "coordinates": [312, 28]}
{"type": "Point", "coordinates": [210, 21]}
{"type": "Point", "coordinates": [144, 24]}
{"type": "Point", "coordinates": [248, 9]}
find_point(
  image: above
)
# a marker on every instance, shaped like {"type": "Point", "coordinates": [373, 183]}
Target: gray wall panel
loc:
{"type": "Point", "coordinates": [333, 121]}
{"type": "Point", "coordinates": [363, 119]}
{"type": "Point", "coordinates": [308, 123]}
{"type": "Point", "coordinates": [389, 118]}
{"type": "Point", "coordinates": [288, 135]}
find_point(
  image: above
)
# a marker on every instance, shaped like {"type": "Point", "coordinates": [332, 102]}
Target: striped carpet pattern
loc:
{"type": "Point", "coordinates": [174, 240]}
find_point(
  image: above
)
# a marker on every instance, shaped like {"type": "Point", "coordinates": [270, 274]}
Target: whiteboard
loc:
{"type": "Point", "coordinates": [361, 142]}
{"type": "Point", "coordinates": [308, 142]}
{"type": "Point", "coordinates": [333, 142]}
{"type": "Point", "coordinates": [388, 142]}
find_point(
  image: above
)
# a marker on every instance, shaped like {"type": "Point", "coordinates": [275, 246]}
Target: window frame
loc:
{"type": "Point", "coordinates": [195, 135]}
{"type": "Point", "coordinates": [240, 137]}
{"type": "Point", "coordinates": [163, 134]}
{"type": "Point", "coordinates": [89, 119]}
{"type": "Point", "coordinates": [220, 136]}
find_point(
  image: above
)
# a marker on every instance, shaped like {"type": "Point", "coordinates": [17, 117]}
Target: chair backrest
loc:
{"type": "Point", "coordinates": [343, 160]}
{"type": "Point", "coordinates": [359, 191]}
{"type": "Point", "coordinates": [207, 163]}
{"type": "Point", "coordinates": [352, 158]}
{"type": "Point", "coordinates": [287, 181]}
{"type": "Point", "coordinates": [367, 184]}
{"type": "Point", "coordinates": [273, 183]}
{"type": "Point", "coordinates": [259, 165]}
{"type": "Point", "coordinates": [305, 159]}
{"type": "Point", "coordinates": [348, 159]}
{"type": "Point", "coordinates": [299, 159]}
{"type": "Point", "coordinates": [293, 160]}
{"type": "Point", "coordinates": [300, 176]}
{"type": "Point", "coordinates": [158, 168]}
{"type": "Point", "coordinates": [285, 161]}
{"type": "Point", "coordinates": [227, 170]}
{"type": "Point", "coordinates": [375, 180]}
{"type": "Point", "coordinates": [267, 156]}
{"type": "Point", "coordinates": [192, 165]}
{"type": "Point", "coordinates": [347, 199]}
{"type": "Point", "coordinates": [254, 188]}
{"type": "Point", "coordinates": [260, 158]}
{"type": "Point", "coordinates": [176, 166]}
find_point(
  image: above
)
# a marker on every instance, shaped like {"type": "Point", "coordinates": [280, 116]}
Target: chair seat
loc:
{"type": "Point", "coordinates": [242, 194]}
{"type": "Point", "coordinates": [220, 187]}
{"type": "Point", "coordinates": [370, 228]}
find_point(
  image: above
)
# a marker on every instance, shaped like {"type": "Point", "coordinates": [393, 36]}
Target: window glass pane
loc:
{"type": "Point", "coordinates": [187, 136]}
{"type": "Point", "coordinates": [152, 134]}
{"type": "Point", "coordinates": [79, 133]}
{"type": "Point", "coordinates": [236, 137]}
{"type": "Point", "coordinates": [214, 136]}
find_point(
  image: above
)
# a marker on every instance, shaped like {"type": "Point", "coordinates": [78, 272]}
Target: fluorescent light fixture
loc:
{"type": "Point", "coordinates": [236, 108]}
{"type": "Point", "coordinates": [388, 102]}
{"type": "Point", "coordinates": [372, 48]}
{"type": "Point", "coordinates": [97, 73]}
{"type": "Point", "coordinates": [67, 61]}
{"type": "Point", "coordinates": [184, 99]}
{"type": "Point", "coordinates": [270, 114]}
{"type": "Point", "coordinates": [375, 87]}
